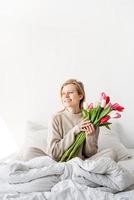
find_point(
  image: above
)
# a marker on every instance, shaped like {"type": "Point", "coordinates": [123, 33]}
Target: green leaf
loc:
{"type": "Point", "coordinates": [108, 127]}
{"type": "Point", "coordinates": [106, 124]}
{"type": "Point", "coordinates": [104, 112]}
{"type": "Point", "coordinates": [93, 116]}
{"type": "Point", "coordinates": [99, 110]}
{"type": "Point", "coordinates": [84, 113]}
{"type": "Point", "coordinates": [89, 115]}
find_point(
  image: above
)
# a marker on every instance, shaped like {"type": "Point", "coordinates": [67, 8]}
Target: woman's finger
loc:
{"type": "Point", "coordinates": [85, 123]}
{"type": "Point", "coordinates": [89, 130]}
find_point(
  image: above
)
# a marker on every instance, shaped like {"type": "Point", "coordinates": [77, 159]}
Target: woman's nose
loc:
{"type": "Point", "coordinates": [66, 94]}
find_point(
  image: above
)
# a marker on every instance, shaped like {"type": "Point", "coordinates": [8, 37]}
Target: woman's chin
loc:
{"type": "Point", "coordinates": [67, 105]}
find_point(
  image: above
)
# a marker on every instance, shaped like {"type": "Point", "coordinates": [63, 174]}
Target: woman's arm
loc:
{"type": "Point", "coordinates": [56, 143]}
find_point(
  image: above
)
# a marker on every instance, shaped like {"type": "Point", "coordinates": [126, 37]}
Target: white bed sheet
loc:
{"type": "Point", "coordinates": [70, 189]}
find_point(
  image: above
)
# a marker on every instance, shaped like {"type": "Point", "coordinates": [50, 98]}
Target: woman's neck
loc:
{"type": "Point", "coordinates": [73, 110]}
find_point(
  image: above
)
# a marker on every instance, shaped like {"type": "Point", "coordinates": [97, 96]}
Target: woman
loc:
{"type": "Point", "coordinates": [66, 124]}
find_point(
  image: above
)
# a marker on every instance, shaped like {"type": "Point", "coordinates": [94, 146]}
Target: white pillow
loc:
{"type": "Point", "coordinates": [110, 139]}
{"type": "Point", "coordinates": [36, 135]}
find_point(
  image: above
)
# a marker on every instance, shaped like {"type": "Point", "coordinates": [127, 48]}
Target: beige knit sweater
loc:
{"type": "Point", "coordinates": [61, 134]}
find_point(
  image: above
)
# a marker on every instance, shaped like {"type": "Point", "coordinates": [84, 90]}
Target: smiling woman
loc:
{"type": "Point", "coordinates": [7, 144]}
{"type": "Point", "coordinates": [66, 124]}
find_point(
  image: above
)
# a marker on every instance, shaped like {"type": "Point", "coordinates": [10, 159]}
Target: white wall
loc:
{"type": "Point", "coordinates": [43, 43]}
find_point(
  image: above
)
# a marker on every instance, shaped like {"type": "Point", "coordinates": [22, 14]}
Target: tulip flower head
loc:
{"type": "Point", "coordinates": [100, 112]}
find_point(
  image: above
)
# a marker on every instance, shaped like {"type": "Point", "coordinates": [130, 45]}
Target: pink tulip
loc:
{"type": "Point", "coordinates": [90, 106]}
{"type": "Point", "coordinates": [117, 107]}
{"type": "Point", "coordinates": [104, 96]}
{"type": "Point", "coordinates": [115, 115]}
{"type": "Point", "coordinates": [105, 119]}
{"type": "Point", "coordinates": [103, 103]}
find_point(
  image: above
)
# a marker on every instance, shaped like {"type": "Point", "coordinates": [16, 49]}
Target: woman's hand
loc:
{"type": "Point", "coordinates": [86, 126]}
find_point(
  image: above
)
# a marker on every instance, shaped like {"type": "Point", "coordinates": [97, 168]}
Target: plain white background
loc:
{"type": "Point", "coordinates": [45, 42]}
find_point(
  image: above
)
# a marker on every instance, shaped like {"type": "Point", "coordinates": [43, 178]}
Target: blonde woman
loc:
{"type": "Point", "coordinates": [66, 124]}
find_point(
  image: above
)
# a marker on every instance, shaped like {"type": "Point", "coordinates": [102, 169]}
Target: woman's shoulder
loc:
{"type": "Point", "coordinates": [58, 115]}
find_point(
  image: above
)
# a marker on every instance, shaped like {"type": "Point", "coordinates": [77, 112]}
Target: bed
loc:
{"type": "Point", "coordinates": [43, 178]}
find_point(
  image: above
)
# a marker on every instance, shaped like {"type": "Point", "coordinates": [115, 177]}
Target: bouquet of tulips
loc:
{"type": "Point", "coordinates": [99, 115]}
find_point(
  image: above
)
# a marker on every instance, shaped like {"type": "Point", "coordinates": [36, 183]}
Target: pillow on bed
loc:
{"type": "Point", "coordinates": [36, 135]}
{"type": "Point", "coordinates": [110, 139]}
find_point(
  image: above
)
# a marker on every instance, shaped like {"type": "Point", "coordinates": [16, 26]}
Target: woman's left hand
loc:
{"type": "Point", "coordinates": [89, 130]}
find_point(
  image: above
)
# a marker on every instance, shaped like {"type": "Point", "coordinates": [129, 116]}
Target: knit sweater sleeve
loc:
{"type": "Point", "coordinates": [57, 142]}
{"type": "Point", "coordinates": [91, 144]}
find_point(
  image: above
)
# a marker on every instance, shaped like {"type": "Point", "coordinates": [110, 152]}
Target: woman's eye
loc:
{"type": "Point", "coordinates": [67, 93]}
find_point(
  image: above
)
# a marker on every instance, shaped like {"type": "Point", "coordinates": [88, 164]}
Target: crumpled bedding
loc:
{"type": "Point", "coordinates": [43, 174]}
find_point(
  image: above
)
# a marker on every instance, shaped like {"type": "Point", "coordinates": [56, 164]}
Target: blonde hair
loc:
{"type": "Point", "coordinates": [79, 87]}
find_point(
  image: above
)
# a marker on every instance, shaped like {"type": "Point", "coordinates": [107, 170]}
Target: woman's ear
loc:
{"type": "Point", "coordinates": [81, 96]}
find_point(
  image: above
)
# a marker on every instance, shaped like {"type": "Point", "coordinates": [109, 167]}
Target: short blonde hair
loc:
{"type": "Point", "coordinates": [79, 87]}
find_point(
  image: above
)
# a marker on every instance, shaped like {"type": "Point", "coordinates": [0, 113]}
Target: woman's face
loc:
{"type": "Point", "coordinates": [70, 96]}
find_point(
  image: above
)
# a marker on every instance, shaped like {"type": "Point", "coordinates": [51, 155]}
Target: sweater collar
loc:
{"type": "Point", "coordinates": [73, 114]}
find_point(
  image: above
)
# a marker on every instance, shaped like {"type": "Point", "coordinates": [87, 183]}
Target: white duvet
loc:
{"type": "Point", "coordinates": [43, 178]}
